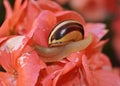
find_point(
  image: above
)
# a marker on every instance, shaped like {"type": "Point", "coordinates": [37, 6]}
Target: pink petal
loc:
{"type": "Point", "coordinates": [86, 72]}
{"type": "Point", "coordinates": [68, 76]}
{"type": "Point", "coordinates": [100, 61]}
{"type": "Point", "coordinates": [17, 4]}
{"type": "Point", "coordinates": [10, 50]}
{"type": "Point", "coordinates": [26, 21]}
{"type": "Point", "coordinates": [7, 79]}
{"type": "Point", "coordinates": [69, 15]}
{"type": "Point", "coordinates": [10, 22]}
{"type": "Point", "coordinates": [49, 5]}
{"type": "Point", "coordinates": [28, 69]}
{"type": "Point", "coordinates": [43, 26]}
{"type": "Point", "coordinates": [97, 29]}
{"type": "Point", "coordinates": [8, 9]}
{"type": "Point", "coordinates": [95, 47]}
{"type": "Point", "coordinates": [106, 78]}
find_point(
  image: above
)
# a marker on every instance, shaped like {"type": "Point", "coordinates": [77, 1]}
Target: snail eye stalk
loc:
{"type": "Point", "coordinates": [65, 32]}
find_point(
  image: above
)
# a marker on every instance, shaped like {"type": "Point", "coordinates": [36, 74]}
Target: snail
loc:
{"type": "Point", "coordinates": [65, 38]}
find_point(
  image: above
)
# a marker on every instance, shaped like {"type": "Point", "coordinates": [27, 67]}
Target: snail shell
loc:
{"type": "Point", "coordinates": [66, 32]}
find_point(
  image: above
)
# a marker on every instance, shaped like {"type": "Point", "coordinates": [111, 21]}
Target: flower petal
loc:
{"type": "Point", "coordinates": [99, 61]}
{"type": "Point", "coordinates": [10, 50]}
{"type": "Point", "coordinates": [49, 5]}
{"type": "Point", "coordinates": [106, 78]}
{"type": "Point", "coordinates": [17, 4]}
{"type": "Point", "coordinates": [86, 72]}
{"type": "Point", "coordinates": [68, 76]}
{"type": "Point", "coordinates": [7, 79]}
{"type": "Point", "coordinates": [8, 8]}
{"type": "Point", "coordinates": [11, 22]}
{"type": "Point", "coordinates": [43, 25]}
{"type": "Point", "coordinates": [28, 69]}
{"type": "Point", "coordinates": [26, 21]}
{"type": "Point", "coordinates": [69, 15]}
{"type": "Point", "coordinates": [97, 29]}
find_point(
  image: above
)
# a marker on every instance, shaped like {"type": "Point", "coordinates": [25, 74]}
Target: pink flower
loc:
{"type": "Point", "coordinates": [28, 59]}
{"type": "Point", "coordinates": [92, 10]}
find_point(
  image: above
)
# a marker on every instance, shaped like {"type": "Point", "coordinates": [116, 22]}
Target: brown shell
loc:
{"type": "Point", "coordinates": [65, 32]}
